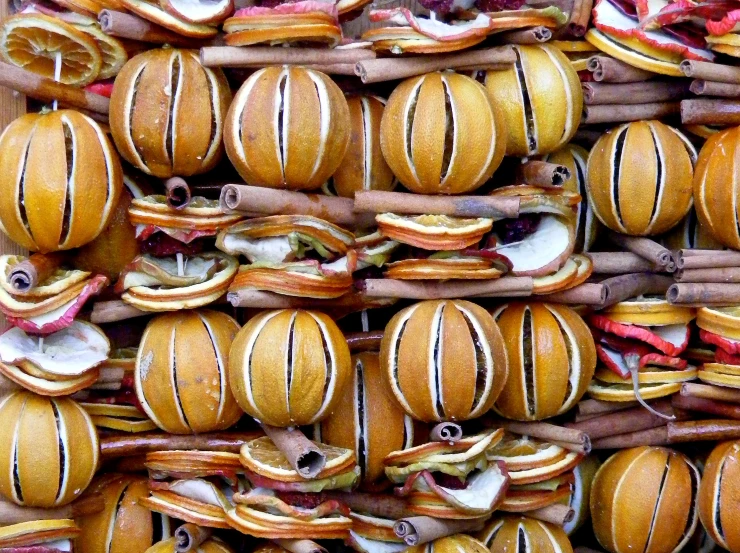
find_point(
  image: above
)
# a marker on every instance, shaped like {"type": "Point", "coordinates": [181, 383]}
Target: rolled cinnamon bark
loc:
{"type": "Point", "coordinates": [717, 274]}
{"type": "Point", "coordinates": [300, 546]}
{"type": "Point", "coordinates": [379, 505]}
{"type": "Point", "coordinates": [178, 192]}
{"type": "Point", "coordinates": [706, 391]}
{"type": "Point", "coordinates": [588, 293]}
{"type": "Point", "coordinates": [446, 432]}
{"type": "Point", "coordinates": [701, 87]}
{"type": "Point", "coordinates": [89, 504]}
{"type": "Point", "coordinates": [622, 113]}
{"type": "Point", "coordinates": [364, 341]}
{"type": "Point", "coordinates": [709, 71]}
{"type": "Point", "coordinates": [242, 198]}
{"type": "Point", "coordinates": [584, 449]}
{"type": "Point", "coordinates": [701, 431]}
{"type": "Point", "coordinates": [609, 70]}
{"type": "Point", "coordinates": [579, 17]}
{"type": "Point", "coordinates": [646, 92]}
{"type": "Point", "coordinates": [139, 444]}
{"type": "Point", "coordinates": [132, 27]}
{"type": "Point", "coordinates": [190, 536]}
{"type": "Point", "coordinates": [652, 436]}
{"type": "Point", "coordinates": [623, 422]}
{"type": "Point", "coordinates": [262, 56]}
{"type": "Point", "coordinates": [644, 247]}
{"type": "Point", "coordinates": [557, 514]}
{"type": "Point", "coordinates": [494, 207]}
{"type": "Point", "coordinates": [598, 407]}
{"type": "Point", "coordinates": [28, 274]}
{"type": "Point", "coordinates": [707, 259]}
{"type": "Point", "coordinates": [545, 431]}
{"type": "Point", "coordinates": [502, 287]}
{"type": "Point", "coordinates": [708, 406]}
{"type": "Point", "coordinates": [331, 69]}
{"type": "Point", "coordinates": [619, 263]}
{"type": "Point", "coordinates": [544, 174]}
{"type": "Point", "coordinates": [302, 454]}
{"type": "Point", "coordinates": [704, 293]}
{"type": "Point", "coordinates": [389, 69]}
{"type": "Point", "coordinates": [351, 302]}
{"type": "Point", "coordinates": [47, 90]}
{"type": "Point", "coordinates": [114, 310]}
{"type": "Point", "coordinates": [710, 112]}
{"type": "Point", "coordinates": [419, 530]}
{"type": "Point", "coordinates": [623, 287]}
{"type": "Point", "coordinates": [535, 35]}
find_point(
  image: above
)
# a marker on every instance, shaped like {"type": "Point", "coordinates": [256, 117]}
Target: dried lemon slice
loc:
{"type": "Point", "coordinates": [113, 53]}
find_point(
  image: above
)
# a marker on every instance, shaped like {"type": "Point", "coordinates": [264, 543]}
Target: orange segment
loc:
{"type": "Point", "coordinates": [32, 41]}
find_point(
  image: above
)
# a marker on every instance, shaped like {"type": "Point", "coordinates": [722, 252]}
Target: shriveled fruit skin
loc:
{"type": "Point", "coordinates": [719, 493]}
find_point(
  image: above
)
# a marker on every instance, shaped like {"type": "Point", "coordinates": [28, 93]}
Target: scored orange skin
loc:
{"type": "Point", "coordinates": [720, 478]}
{"type": "Point", "coordinates": [542, 537]}
{"type": "Point", "coordinates": [457, 543]}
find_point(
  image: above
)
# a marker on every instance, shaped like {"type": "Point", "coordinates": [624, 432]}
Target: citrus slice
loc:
{"type": "Point", "coordinates": [33, 42]}
{"type": "Point", "coordinates": [523, 453]}
{"type": "Point", "coordinates": [264, 458]}
{"type": "Point", "coordinates": [58, 282]}
{"type": "Point", "coordinates": [624, 392]}
{"type": "Point", "coordinates": [83, 7]}
{"type": "Point", "coordinates": [113, 52]}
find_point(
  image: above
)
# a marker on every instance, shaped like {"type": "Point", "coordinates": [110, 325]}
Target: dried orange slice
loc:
{"type": "Point", "coordinates": [33, 41]}
{"type": "Point", "coordinates": [84, 7]}
{"type": "Point", "coordinates": [112, 50]}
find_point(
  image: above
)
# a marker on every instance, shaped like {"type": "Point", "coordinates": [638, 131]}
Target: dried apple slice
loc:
{"type": "Point", "coordinates": [58, 282]}
{"type": "Point", "coordinates": [669, 339]}
{"type": "Point", "coordinates": [205, 12]}
{"type": "Point", "coordinates": [405, 40]}
{"type": "Point", "coordinates": [435, 29]}
{"type": "Point", "coordinates": [46, 387]}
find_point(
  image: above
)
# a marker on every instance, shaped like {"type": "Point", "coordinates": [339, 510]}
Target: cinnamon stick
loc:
{"type": "Point", "coordinates": [709, 71]}
{"type": "Point", "coordinates": [557, 514]}
{"type": "Point", "coordinates": [262, 56]}
{"type": "Point", "coordinates": [267, 300]}
{"type": "Point", "coordinates": [588, 293]}
{"type": "Point", "coordinates": [535, 35]}
{"type": "Point", "coordinates": [47, 90]}
{"type": "Point", "coordinates": [704, 430]}
{"type": "Point", "coordinates": [646, 92]}
{"type": "Point", "coordinates": [132, 27]}
{"type": "Point", "coordinates": [330, 69]}
{"type": "Point", "coordinates": [543, 173]}
{"type": "Point", "coordinates": [28, 274]}
{"type": "Point", "coordinates": [707, 391]}
{"type": "Point", "coordinates": [178, 193]}
{"type": "Point", "coordinates": [300, 546]}
{"type": "Point", "coordinates": [646, 248]}
{"type": "Point", "coordinates": [495, 207]}
{"type": "Point", "coordinates": [707, 259]}
{"type": "Point", "coordinates": [708, 406]}
{"type": "Point", "coordinates": [701, 87]}
{"type": "Point", "coordinates": [138, 444]}
{"type": "Point", "coordinates": [710, 112]}
{"type": "Point", "coordinates": [190, 536]}
{"type": "Point", "coordinates": [302, 454]}
{"type": "Point", "coordinates": [704, 293]}
{"type": "Point", "coordinates": [114, 310]}
{"type": "Point", "coordinates": [242, 198]}
{"type": "Point", "coordinates": [622, 287]}
{"type": "Point", "coordinates": [579, 17]}
{"type": "Point", "coordinates": [609, 70]}
{"type": "Point", "coordinates": [419, 290]}
{"type": "Point", "coordinates": [89, 504]}
{"type": "Point", "coordinates": [390, 69]}
{"type": "Point", "coordinates": [420, 530]}
{"type": "Point", "coordinates": [599, 407]}
{"type": "Point", "coordinates": [379, 505]}
{"type": "Point", "coordinates": [545, 431]}
{"type": "Point", "coordinates": [446, 432]}
{"type": "Point", "coordinates": [717, 274]}
{"type": "Point", "coordinates": [621, 113]}
{"type": "Point", "coordinates": [364, 341]}
{"type": "Point", "coordinates": [619, 263]}
{"type": "Point", "coordinates": [652, 436]}
{"type": "Point", "coordinates": [584, 449]}
{"type": "Point", "coordinates": [623, 422]}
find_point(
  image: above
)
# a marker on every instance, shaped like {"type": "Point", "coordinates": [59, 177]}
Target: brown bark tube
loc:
{"type": "Point", "coordinates": [580, 16]}
{"type": "Point", "coordinates": [302, 454]}
{"type": "Point", "coordinates": [495, 207]}
{"type": "Point", "coordinates": [28, 274]}
{"type": "Point", "coordinates": [701, 87]}
{"type": "Point", "coordinates": [702, 431]}
{"type": "Point", "coordinates": [331, 69]}
{"type": "Point", "coordinates": [10, 513]}
{"type": "Point", "coordinates": [267, 201]}
{"type": "Point", "coordinates": [420, 530]}
{"type": "Point", "coordinates": [646, 92]}
{"type": "Point", "coordinates": [710, 112]}
{"type": "Point", "coordinates": [646, 248]}
{"type": "Point", "coordinates": [609, 70]}
{"type": "Point", "coordinates": [653, 436]}
{"type": "Point", "coordinates": [544, 174]}
{"type": "Point", "coordinates": [624, 422]}
{"type": "Point", "coordinates": [707, 259]}
{"type": "Point", "coordinates": [546, 431]}
{"type": "Point", "coordinates": [707, 293]}
{"type": "Point", "coordinates": [139, 444]}
{"type": "Point", "coordinates": [190, 536]}
{"type": "Point", "coordinates": [709, 71]}
{"type": "Point", "coordinates": [125, 25]}
{"type": "Point", "coordinates": [717, 274]}
{"type": "Point", "coordinates": [300, 546]}
{"type": "Point", "coordinates": [114, 310]}
{"type": "Point", "coordinates": [621, 113]}
{"type": "Point", "coordinates": [598, 407]}
{"type": "Point", "coordinates": [706, 391]}
{"type": "Point", "coordinates": [390, 69]}
{"type": "Point", "coordinates": [364, 341]}
{"type": "Point", "coordinates": [379, 505]}
{"type": "Point", "coordinates": [267, 300]}
{"type": "Point", "coordinates": [619, 263]}
{"type": "Point", "coordinates": [502, 287]}
{"type": "Point", "coordinates": [446, 432]}
{"type": "Point", "coordinates": [708, 406]}
{"type": "Point", "coordinates": [535, 35]}
{"type": "Point", "coordinates": [262, 56]}
{"type": "Point", "coordinates": [178, 193]}
{"type": "Point", "coordinates": [47, 90]}
{"type": "Point", "coordinates": [623, 287]}
{"type": "Point", "coordinates": [588, 293]}
{"type": "Point", "coordinates": [557, 514]}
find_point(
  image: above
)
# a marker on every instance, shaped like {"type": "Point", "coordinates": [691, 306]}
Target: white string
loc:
{"type": "Point", "coordinates": [365, 321]}
{"type": "Point", "coordinates": [57, 75]}
{"type": "Point", "coordinates": [180, 265]}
